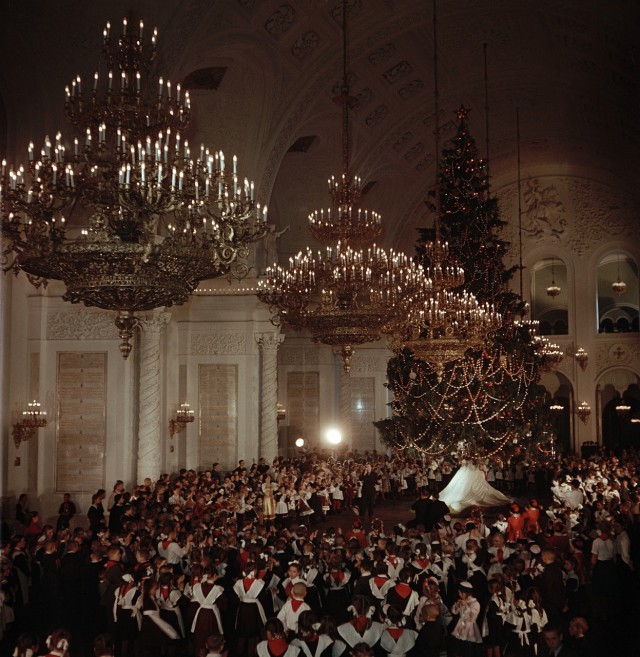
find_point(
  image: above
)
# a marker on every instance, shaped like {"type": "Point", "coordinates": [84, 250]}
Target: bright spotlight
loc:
{"type": "Point", "coordinates": [333, 436]}
{"type": "Point", "coordinates": [299, 442]}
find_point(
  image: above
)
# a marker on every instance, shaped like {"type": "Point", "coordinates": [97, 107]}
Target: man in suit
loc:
{"type": "Point", "coordinates": [421, 509]}
{"type": "Point", "coordinates": [554, 639]}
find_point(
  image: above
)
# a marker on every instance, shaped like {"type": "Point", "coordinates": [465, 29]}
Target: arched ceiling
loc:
{"type": "Point", "coordinates": [570, 65]}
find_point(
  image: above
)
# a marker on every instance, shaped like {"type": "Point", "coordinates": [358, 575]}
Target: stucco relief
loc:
{"type": "Point", "coordinates": [398, 71]}
{"type": "Point", "coordinates": [367, 363]}
{"type": "Point", "coordinates": [543, 211]}
{"type": "Point", "coordinates": [599, 211]}
{"type": "Point", "coordinates": [85, 325]}
{"type": "Point", "coordinates": [280, 21]}
{"type": "Point", "coordinates": [300, 356]}
{"type": "Point", "coordinates": [617, 353]}
{"type": "Point", "coordinates": [378, 115]}
{"type": "Point", "coordinates": [305, 45]}
{"type": "Point", "coordinates": [218, 343]}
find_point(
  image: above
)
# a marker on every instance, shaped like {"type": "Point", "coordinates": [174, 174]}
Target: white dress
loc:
{"type": "Point", "coordinates": [469, 488]}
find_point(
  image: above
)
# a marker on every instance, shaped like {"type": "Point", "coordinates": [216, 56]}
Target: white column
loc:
{"type": "Point", "coordinates": [149, 411]}
{"type": "Point", "coordinates": [345, 406]}
{"type": "Point", "coordinates": [269, 343]}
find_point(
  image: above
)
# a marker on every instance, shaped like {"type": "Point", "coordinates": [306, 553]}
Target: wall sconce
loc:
{"type": "Point", "coordinates": [281, 412]}
{"type": "Point", "coordinates": [33, 419]}
{"type": "Point", "coordinates": [556, 407]}
{"type": "Point", "coordinates": [582, 358]}
{"type": "Point", "coordinates": [184, 416]}
{"type": "Point", "coordinates": [584, 411]}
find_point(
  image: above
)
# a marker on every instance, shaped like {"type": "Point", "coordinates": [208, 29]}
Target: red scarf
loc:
{"type": "Point", "coordinates": [423, 563]}
{"type": "Point", "coordinates": [125, 588]}
{"type": "Point", "coordinates": [403, 590]}
{"type": "Point", "coordinates": [247, 583]}
{"type": "Point", "coordinates": [295, 605]}
{"type": "Point", "coordinates": [395, 632]}
{"type": "Point", "coordinates": [338, 576]}
{"type": "Point", "coordinates": [393, 561]}
{"type": "Point", "coordinates": [164, 591]}
{"type": "Point", "coordinates": [277, 647]}
{"type": "Point", "coordinates": [380, 581]}
{"type": "Point", "coordinates": [288, 587]}
{"type": "Point", "coordinates": [166, 543]}
{"type": "Point", "coordinates": [110, 564]}
{"type": "Point", "coordinates": [500, 555]}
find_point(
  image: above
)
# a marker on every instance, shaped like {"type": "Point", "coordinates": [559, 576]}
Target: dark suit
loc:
{"type": "Point", "coordinates": [421, 508]}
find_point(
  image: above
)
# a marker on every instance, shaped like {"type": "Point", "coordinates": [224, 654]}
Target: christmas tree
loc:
{"type": "Point", "coordinates": [490, 401]}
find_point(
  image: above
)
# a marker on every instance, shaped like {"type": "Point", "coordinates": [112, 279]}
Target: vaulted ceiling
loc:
{"type": "Point", "coordinates": [264, 73]}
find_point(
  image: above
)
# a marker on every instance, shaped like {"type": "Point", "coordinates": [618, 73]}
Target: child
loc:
{"type": "Point", "coordinates": [361, 628]}
{"type": "Point", "coordinates": [206, 617]}
{"type": "Point", "coordinates": [402, 595]}
{"type": "Point", "coordinates": [250, 617]}
{"type": "Point", "coordinates": [26, 646]}
{"type": "Point", "coordinates": [58, 644]}
{"type": "Point", "coordinates": [293, 607]}
{"type": "Point", "coordinates": [468, 640]}
{"type": "Point", "coordinates": [397, 641]}
{"type": "Point", "coordinates": [430, 639]}
{"type": "Point", "coordinates": [276, 644]}
{"type": "Point", "coordinates": [215, 646]}
{"type": "Point", "coordinates": [309, 640]}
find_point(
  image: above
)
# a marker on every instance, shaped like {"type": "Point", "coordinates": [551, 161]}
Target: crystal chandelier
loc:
{"type": "Point", "coordinates": [128, 217]}
{"type": "Point", "coordinates": [347, 293]}
{"type": "Point", "coordinates": [437, 324]}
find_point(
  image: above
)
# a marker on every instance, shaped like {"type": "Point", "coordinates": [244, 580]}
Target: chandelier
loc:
{"type": "Point", "coordinates": [553, 290]}
{"type": "Point", "coordinates": [437, 324]}
{"type": "Point", "coordinates": [129, 218]}
{"type": "Point", "coordinates": [33, 418]}
{"type": "Point", "coordinates": [347, 293]}
{"type": "Point", "coordinates": [618, 286]}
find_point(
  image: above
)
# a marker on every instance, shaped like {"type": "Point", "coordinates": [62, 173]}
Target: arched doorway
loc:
{"type": "Point", "coordinates": [561, 404]}
{"type": "Point", "coordinates": [619, 393]}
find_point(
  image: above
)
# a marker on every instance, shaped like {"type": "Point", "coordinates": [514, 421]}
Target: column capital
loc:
{"type": "Point", "coordinates": [152, 323]}
{"type": "Point", "coordinates": [269, 342]}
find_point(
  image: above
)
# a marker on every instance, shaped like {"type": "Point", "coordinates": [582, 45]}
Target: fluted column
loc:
{"type": "Point", "coordinates": [269, 343]}
{"type": "Point", "coordinates": [149, 412]}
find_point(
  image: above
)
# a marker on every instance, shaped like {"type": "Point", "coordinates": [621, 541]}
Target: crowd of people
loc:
{"type": "Point", "coordinates": [262, 560]}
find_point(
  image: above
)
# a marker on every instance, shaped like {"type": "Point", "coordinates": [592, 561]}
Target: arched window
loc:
{"type": "Point", "coordinates": [549, 296]}
{"type": "Point", "coordinates": [617, 293]}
